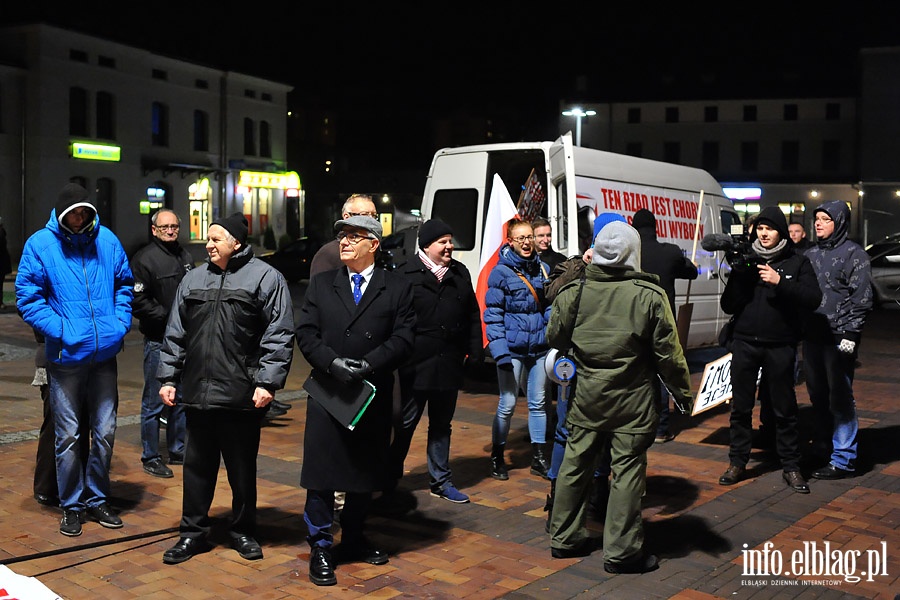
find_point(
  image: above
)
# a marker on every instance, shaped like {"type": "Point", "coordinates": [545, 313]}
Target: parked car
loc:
{"type": "Point", "coordinates": [293, 259]}
{"type": "Point", "coordinates": [398, 248]}
{"type": "Point", "coordinates": [884, 257]}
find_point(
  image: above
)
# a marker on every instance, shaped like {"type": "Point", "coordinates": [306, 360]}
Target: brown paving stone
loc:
{"type": "Point", "coordinates": [496, 543]}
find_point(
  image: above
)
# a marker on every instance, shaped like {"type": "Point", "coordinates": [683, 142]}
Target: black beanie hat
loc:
{"type": "Point", "coordinates": [236, 225]}
{"type": "Point", "coordinates": [72, 196]}
{"type": "Point", "coordinates": [643, 219]}
{"type": "Point", "coordinates": [774, 218]}
{"type": "Point", "coordinates": [432, 230]}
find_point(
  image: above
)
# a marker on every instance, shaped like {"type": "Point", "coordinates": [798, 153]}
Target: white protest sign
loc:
{"type": "Point", "coordinates": [715, 385]}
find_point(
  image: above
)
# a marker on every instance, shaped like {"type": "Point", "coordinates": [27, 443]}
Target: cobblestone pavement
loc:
{"type": "Point", "coordinates": [493, 547]}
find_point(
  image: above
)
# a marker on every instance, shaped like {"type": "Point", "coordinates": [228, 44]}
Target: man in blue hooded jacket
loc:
{"type": "Point", "coordinates": [74, 287]}
{"type": "Point", "coordinates": [833, 336]}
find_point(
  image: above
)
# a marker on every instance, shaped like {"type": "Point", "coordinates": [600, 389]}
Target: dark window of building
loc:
{"type": "Point", "coordinates": [249, 137]}
{"type": "Point", "coordinates": [201, 84]}
{"type": "Point", "coordinates": [790, 155]}
{"type": "Point", "coordinates": [749, 156]}
{"type": "Point", "coordinates": [106, 61]}
{"type": "Point", "coordinates": [201, 131]}
{"type": "Point", "coordinates": [106, 116]}
{"type": "Point", "coordinates": [832, 111]}
{"type": "Point", "coordinates": [831, 155]}
{"type": "Point", "coordinates": [634, 149]}
{"type": "Point", "coordinates": [159, 124]}
{"type": "Point", "coordinates": [790, 112]}
{"type": "Point", "coordinates": [159, 74]}
{"type": "Point", "coordinates": [672, 152]}
{"type": "Point", "coordinates": [710, 156]}
{"type": "Point", "coordinates": [634, 115]}
{"type": "Point", "coordinates": [78, 112]}
{"type": "Point", "coordinates": [671, 114]}
{"type": "Point", "coordinates": [266, 97]}
{"type": "Point", "coordinates": [78, 55]}
{"type": "Point", "coordinates": [265, 141]}
{"type": "Point", "coordinates": [750, 112]}
{"type": "Point", "coordinates": [711, 114]}
{"type": "Point", "coordinates": [249, 94]}
{"type": "Point", "coordinates": [105, 199]}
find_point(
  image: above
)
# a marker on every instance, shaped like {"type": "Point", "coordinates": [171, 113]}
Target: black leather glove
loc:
{"type": "Point", "coordinates": [343, 370]}
{"type": "Point", "coordinates": [360, 368]}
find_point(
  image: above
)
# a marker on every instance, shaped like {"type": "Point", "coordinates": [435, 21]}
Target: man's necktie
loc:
{"type": "Point", "coordinates": [357, 287]}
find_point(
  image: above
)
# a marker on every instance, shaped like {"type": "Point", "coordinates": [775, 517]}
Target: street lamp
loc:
{"type": "Point", "coordinates": [579, 114]}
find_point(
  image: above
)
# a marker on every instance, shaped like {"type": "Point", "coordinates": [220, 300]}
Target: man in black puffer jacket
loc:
{"type": "Point", "coordinates": [771, 301]}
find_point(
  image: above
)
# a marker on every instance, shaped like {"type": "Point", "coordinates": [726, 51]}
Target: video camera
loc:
{"type": "Point", "coordinates": [737, 247]}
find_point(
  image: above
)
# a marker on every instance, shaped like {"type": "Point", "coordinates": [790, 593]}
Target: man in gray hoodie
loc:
{"type": "Point", "coordinates": [626, 334]}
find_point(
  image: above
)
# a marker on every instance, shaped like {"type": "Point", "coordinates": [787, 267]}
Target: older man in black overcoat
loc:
{"type": "Point", "coordinates": [356, 322]}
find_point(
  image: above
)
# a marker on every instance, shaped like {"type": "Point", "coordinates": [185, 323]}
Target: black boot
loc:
{"type": "Point", "coordinates": [539, 463]}
{"type": "Point", "coordinates": [498, 467]}
{"type": "Point", "coordinates": [548, 506]}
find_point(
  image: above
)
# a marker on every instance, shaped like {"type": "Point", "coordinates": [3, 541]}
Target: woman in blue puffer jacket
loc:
{"type": "Point", "coordinates": [515, 321]}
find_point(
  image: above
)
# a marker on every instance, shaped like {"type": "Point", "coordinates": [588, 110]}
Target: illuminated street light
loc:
{"type": "Point", "coordinates": [579, 114]}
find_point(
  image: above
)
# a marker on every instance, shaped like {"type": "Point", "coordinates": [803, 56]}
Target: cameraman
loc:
{"type": "Point", "coordinates": [771, 296]}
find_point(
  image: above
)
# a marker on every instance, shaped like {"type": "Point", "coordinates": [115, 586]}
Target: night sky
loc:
{"type": "Point", "coordinates": [393, 65]}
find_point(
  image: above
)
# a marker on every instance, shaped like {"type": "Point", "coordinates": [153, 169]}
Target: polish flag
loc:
{"type": "Point", "coordinates": [500, 210]}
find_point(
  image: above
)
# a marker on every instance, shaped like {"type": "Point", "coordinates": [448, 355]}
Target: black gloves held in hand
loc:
{"type": "Point", "coordinates": [348, 370]}
{"type": "Point", "coordinates": [343, 370]}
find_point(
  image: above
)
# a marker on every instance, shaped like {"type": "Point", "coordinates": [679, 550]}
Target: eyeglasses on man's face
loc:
{"type": "Point", "coordinates": [823, 219]}
{"type": "Point", "coordinates": [168, 227]}
{"type": "Point", "coordinates": [353, 238]}
{"type": "Point", "coordinates": [523, 238]}
{"type": "Point", "coordinates": [374, 215]}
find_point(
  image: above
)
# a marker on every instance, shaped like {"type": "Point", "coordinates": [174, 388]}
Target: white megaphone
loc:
{"type": "Point", "coordinates": [559, 369]}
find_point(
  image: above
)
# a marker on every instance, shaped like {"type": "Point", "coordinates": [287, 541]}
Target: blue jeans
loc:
{"type": "Point", "coordinates": [85, 391]}
{"type": "Point", "coordinates": [829, 381]}
{"type": "Point", "coordinates": [509, 382]}
{"type": "Point", "coordinates": [152, 407]}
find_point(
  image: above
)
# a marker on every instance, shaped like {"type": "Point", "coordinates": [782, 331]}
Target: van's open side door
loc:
{"type": "Point", "coordinates": [561, 195]}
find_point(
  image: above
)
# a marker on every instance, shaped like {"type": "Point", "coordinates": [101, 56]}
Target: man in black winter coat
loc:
{"type": "Point", "coordinates": [158, 268]}
{"type": "Point", "coordinates": [668, 262]}
{"type": "Point", "coordinates": [448, 329]}
{"type": "Point", "coordinates": [357, 322]}
{"type": "Point", "coordinates": [771, 301]}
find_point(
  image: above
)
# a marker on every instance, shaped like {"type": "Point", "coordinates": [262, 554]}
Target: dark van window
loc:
{"type": "Point", "coordinates": [457, 208]}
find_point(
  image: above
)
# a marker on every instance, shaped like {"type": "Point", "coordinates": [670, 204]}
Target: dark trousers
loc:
{"type": "Point", "coordinates": [777, 363]}
{"type": "Point", "coordinates": [318, 514]}
{"type": "Point", "coordinates": [441, 408]}
{"type": "Point", "coordinates": [214, 435]}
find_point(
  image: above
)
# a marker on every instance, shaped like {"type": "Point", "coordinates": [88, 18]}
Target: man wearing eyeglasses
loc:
{"type": "Point", "coordinates": [357, 322]}
{"type": "Point", "coordinates": [832, 338]}
{"type": "Point", "coordinates": [158, 268]}
{"type": "Point", "coordinates": [328, 257]}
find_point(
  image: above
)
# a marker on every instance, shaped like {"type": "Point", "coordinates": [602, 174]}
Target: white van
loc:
{"type": "Point", "coordinates": [580, 183]}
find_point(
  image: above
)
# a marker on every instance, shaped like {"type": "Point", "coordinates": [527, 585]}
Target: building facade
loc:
{"type": "Point", "coordinates": [140, 131]}
{"type": "Point", "coordinates": [794, 153]}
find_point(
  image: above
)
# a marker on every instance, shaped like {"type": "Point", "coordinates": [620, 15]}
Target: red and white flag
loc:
{"type": "Point", "coordinates": [500, 210]}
